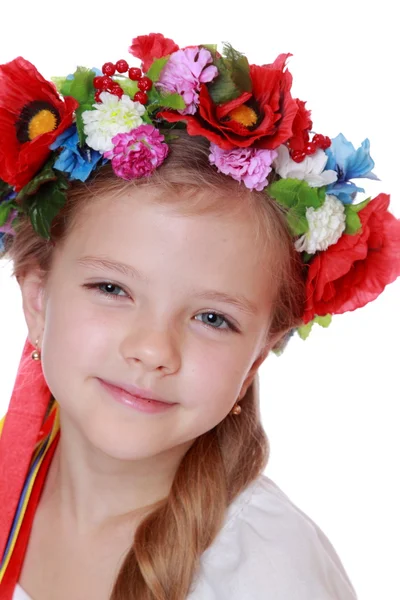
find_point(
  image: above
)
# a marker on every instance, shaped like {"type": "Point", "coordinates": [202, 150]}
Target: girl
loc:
{"type": "Point", "coordinates": [159, 264]}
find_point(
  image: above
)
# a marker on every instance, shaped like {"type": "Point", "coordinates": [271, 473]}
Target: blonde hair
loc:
{"type": "Point", "coordinates": [221, 463]}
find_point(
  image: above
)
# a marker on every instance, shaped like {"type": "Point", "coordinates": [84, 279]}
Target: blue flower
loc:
{"type": "Point", "coordinates": [349, 163]}
{"type": "Point", "coordinates": [78, 162]}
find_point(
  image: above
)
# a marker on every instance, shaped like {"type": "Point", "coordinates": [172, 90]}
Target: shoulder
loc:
{"type": "Point", "coordinates": [268, 549]}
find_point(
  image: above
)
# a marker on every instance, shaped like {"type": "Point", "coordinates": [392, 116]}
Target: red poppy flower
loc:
{"type": "Point", "coordinates": [262, 118]}
{"type": "Point", "coordinates": [32, 116]}
{"type": "Point", "coordinates": [302, 124]}
{"type": "Point", "coordinates": [356, 269]}
{"type": "Point", "coordinates": [152, 46]}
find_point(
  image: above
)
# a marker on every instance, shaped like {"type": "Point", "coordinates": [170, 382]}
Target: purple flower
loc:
{"type": "Point", "coordinates": [184, 73]}
{"type": "Point", "coordinates": [250, 165]}
{"type": "Point", "coordinates": [137, 153]}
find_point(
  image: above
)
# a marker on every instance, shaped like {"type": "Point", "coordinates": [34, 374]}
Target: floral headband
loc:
{"type": "Point", "coordinates": [56, 132]}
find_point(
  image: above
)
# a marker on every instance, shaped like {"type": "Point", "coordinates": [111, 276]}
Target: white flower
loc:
{"type": "Point", "coordinates": [326, 223]}
{"type": "Point", "coordinates": [111, 116]}
{"type": "Point", "coordinates": [311, 169]}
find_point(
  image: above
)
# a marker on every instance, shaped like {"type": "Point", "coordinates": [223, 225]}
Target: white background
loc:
{"type": "Point", "coordinates": [329, 405]}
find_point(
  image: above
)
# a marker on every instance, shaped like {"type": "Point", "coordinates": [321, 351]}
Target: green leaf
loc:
{"type": "Point", "coordinates": [66, 87]}
{"type": "Point", "coordinates": [361, 205]}
{"type": "Point", "coordinates": [297, 222]}
{"type": "Point", "coordinates": [211, 48]}
{"type": "Point", "coordinates": [324, 321]}
{"type": "Point", "coordinates": [305, 330]}
{"type": "Point", "coordinates": [5, 209]}
{"type": "Point", "coordinates": [296, 193]}
{"type": "Point", "coordinates": [79, 121]}
{"type": "Point", "coordinates": [46, 204]}
{"type": "Point", "coordinates": [353, 223]}
{"type": "Point", "coordinates": [45, 175]}
{"type": "Point", "coordinates": [239, 66]}
{"type": "Point", "coordinates": [60, 82]}
{"type": "Point", "coordinates": [223, 88]}
{"type": "Point", "coordinates": [174, 101]}
{"type": "Point", "coordinates": [306, 257]}
{"type": "Point", "coordinates": [157, 66]}
{"type": "Point", "coordinates": [129, 87]}
{"type": "Point", "coordinates": [82, 85]}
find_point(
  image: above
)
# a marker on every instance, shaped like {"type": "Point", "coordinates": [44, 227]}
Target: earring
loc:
{"type": "Point", "coordinates": [236, 410]}
{"type": "Point", "coordinates": [36, 353]}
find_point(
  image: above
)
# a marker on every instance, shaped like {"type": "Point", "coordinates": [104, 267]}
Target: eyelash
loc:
{"type": "Point", "coordinates": [96, 287]}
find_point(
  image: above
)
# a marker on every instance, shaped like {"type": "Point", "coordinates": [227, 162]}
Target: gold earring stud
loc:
{"type": "Point", "coordinates": [236, 410]}
{"type": "Point", "coordinates": [36, 353]}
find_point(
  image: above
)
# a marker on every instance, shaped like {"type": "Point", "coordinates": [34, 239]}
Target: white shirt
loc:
{"type": "Point", "coordinates": [267, 549]}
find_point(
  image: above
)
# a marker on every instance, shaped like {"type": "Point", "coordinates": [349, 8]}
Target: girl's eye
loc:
{"type": "Point", "coordinates": [213, 320]}
{"type": "Point", "coordinates": [108, 288]}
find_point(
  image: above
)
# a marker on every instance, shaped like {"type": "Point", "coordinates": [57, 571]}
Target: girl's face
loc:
{"type": "Point", "coordinates": [189, 326]}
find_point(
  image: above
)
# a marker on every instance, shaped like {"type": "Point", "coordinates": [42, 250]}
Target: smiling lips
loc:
{"type": "Point", "coordinates": [136, 392]}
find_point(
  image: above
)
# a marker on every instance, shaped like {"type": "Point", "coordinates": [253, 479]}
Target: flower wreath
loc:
{"type": "Point", "coordinates": [55, 132]}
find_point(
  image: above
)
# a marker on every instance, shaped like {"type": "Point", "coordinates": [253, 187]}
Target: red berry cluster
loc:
{"type": "Point", "coordinates": [105, 83]}
{"type": "Point", "coordinates": [318, 141]}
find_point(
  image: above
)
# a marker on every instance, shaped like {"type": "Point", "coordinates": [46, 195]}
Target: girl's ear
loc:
{"type": "Point", "coordinates": [252, 373]}
{"type": "Point", "coordinates": [272, 341]}
{"type": "Point", "coordinates": [32, 287]}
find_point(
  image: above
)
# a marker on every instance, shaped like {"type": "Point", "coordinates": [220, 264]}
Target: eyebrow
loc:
{"type": "Point", "coordinates": [239, 301]}
{"type": "Point", "coordinates": [105, 263]}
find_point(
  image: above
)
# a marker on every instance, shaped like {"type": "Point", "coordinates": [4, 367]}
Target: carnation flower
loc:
{"type": "Point", "coordinates": [111, 116]}
{"type": "Point", "coordinates": [137, 153]}
{"type": "Point", "coordinates": [150, 47]}
{"type": "Point", "coordinates": [184, 73]}
{"type": "Point", "coordinates": [311, 169]}
{"type": "Point", "coordinates": [326, 223]}
{"type": "Point", "coordinates": [249, 165]}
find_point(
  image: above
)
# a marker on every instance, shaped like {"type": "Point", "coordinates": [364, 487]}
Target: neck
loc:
{"type": "Point", "coordinates": [90, 490]}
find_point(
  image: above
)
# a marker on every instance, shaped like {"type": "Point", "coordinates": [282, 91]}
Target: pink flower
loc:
{"type": "Point", "coordinates": [250, 165]}
{"type": "Point", "coordinates": [184, 73]}
{"type": "Point", "coordinates": [137, 153]}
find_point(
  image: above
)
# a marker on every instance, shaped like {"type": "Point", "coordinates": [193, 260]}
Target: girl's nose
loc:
{"type": "Point", "coordinates": [155, 348]}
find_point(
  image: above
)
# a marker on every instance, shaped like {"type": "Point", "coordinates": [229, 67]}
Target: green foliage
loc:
{"type": "Point", "coordinates": [46, 204]}
{"type": "Point", "coordinates": [62, 84]}
{"type": "Point", "coordinates": [239, 67]}
{"type": "Point", "coordinates": [305, 330]}
{"type": "Point", "coordinates": [296, 195]}
{"type": "Point", "coordinates": [43, 197]}
{"type": "Point", "coordinates": [361, 205]}
{"type": "Point", "coordinates": [81, 87]}
{"type": "Point", "coordinates": [79, 121]}
{"type": "Point", "coordinates": [353, 223]}
{"type": "Point", "coordinates": [234, 76]}
{"type": "Point", "coordinates": [45, 175]}
{"type": "Point", "coordinates": [129, 87]}
{"type": "Point", "coordinates": [159, 101]}
{"type": "Point", "coordinates": [5, 209]}
{"type": "Point", "coordinates": [157, 66]}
